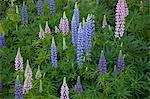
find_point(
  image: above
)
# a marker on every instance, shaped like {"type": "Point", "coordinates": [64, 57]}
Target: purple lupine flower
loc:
{"type": "Point", "coordinates": [41, 33]}
{"type": "Point", "coordinates": [74, 30]}
{"type": "Point", "coordinates": [120, 62]}
{"type": "Point", "coordinates": [84, 29]}
{"type": "Point", "coordinates": [65, 25]}
{"type": "Point", "coordinates": [80, 47]}
{"type": "Point", "coordinates": [52, 6]}
{"type": "Point", "coordinates": [79, 88]}
{"type": "Point", "coordinates": [47, 29]}
{"type": "Point", "coordinates": [60, 25]}
{"type": "Point", "coordinates": [18, 89]}
{"type": "Point", "coordinates": [28, 71]}
{"type": "Point", "coordinates": [77, 15]}
{"type": "Point", "coordinates": [104, 23]}
{"type": "Point", "coordinates": [92, 23]}
{"type": "Point", "coordinates": [2, 41]}
{"type": "Point", "coordinates": [121, 13]}
{"type": "Point", "coordinates": [40, 8]}
{"type": "Point", "coordinates": [27, 85]}
{"type": "Point", "coordinates": [38, 74]}
{"type": "Point", "coordinates": [24, 14]}
{"type": "Point", "coordinates": [19, 62]}
{"type": "Point", "coordinates": [102, 65]}
{"type": "Point", "coordinates": [64, 90]}
{"type": "Point", "coordinates": [1, 86]}
{"type": "Point", "coordinates": [53, 54]}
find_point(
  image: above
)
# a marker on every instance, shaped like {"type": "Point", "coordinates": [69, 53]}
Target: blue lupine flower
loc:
{"type": "Point", "coordinates": [24, 14]}
{"type": "Point", "coordinates": [54, 54]}
{"type": "Point", "coordinates": [40, 8]}
{"type": "Point", "coordinates": [102, 65]}
{"type": "Point", "coordinates": [18, 89]}
{"type": "Point", "coordinates": [2, 41]}
{"type": "Point", "coordinates": [84, 29]}
{"type": "Point", "coordinates": [77, 14]}
{"type": "Point", "coordinates": [74, 30]}
{"type": "Point", "coordinates": [91, 18]}
{"type": "Point", "coordinates": [1, 86]}
{"type": "Point", "coordinates": [79, 88]}
{"type": "Point", "coordinates": [52, 6]}
{"type": "Point", "coordinates": [120, 62]}
{"type": "Point", "coordinates": [80, 47]}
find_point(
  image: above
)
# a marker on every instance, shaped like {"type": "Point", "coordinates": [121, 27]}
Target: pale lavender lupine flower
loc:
{"type": "Point", "coordinates": [18, 89]}
{"type": "Point", "coordinates": [121, 13]}
{"type": "Point", "coordinates": [28, 71]}
{"type": "Point", "coordinates": [65, 25]}
{"type": "Point", "coordinates": [120, 62]}
{"type": "Point", "coordinates": [19, 62]}
{"type": "Point", "coordinates": [27, 85]}
{"type": "Point", "coordinates": [79, 88]}
{"type": "Point", "coordinates": [80, 47]}
{"type": "Point", "coordinates": [41, 33]}
{"type": "Point", "coordinates": [64, 90]}
{"type": "Point", "coordinates": [52, 6]}
{"type": "Point", "coordinates": [60, 25]}
{"type": "Point", "coordinates": [24, 14]}
{"type": "Point", "coordinates": [74, 30]}
{"type": "Point", "coordinates": [102, 65]}
{"type": "Point", "coordinates": [38, 74]}
{"type": "Point", "coordinates": [47, 29]}
{"type": "Point", "coordinates": [104, 23]}
{"type": "Point", "coordinates": [57, 30]}
{"type": "Point", "coordinates": [53, 54]}
{"type": "Point", "coordinates": [40, 8]}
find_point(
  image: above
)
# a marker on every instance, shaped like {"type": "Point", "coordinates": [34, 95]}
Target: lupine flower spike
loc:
{"type": "Point", "coordinates": [40, 8]}
{"type": "Point", "coordinates": [38, 74]}
{"type": "Point", "coordinates": [120, 62]}
{"type": "Point", "coordinates": [77, 15]}
{"type": "Point", "coordinates": [65, 24]}
{"type": "Point", "coordinates": [52, 6]}
{"type": "Point", "coordinates": [104, 23]}
{"type": "Point", "coordinates": [27, 85]}
{"type": "Point", "coordinates": [79, 88]}
{"type": "Point", "coordinates": [2, 41]}
{"type": "Point", "coordinates": [60, 25]}
{"type": "Point", "coordinates": [19, 62]}
{"type": "Point", "coordinates": [102, 65]}
{"type": "Point", "coordinates": [24, 14]}
{"type": "Point", "coordinates": [57, 30]}
{"type": "Point", "coordinates": [84, 28]}
{"type": "Point", "coordinates": [41, 33]}
{"type": "Point", "coordinates": [74, 30]}
{"type": "Point", "coordinates": [40, 87]}
{"type": "Point", "coordinates": [80, 47]}
{"type": "Point", "coordinates": [1, 86]}
{"type": "Point", "coordinates": [47, 29]}
{"type": "Point", "coordinates": [121, 13]}
{"type": "Point", "coordinates": [64, 90]}
{"type": "Point", "coordinates": [18, 89]}
{"type": "Point", "coordinates": [28, 71]}
{"type": "Point", "coordinates": [64, 43]}
{"type": "Point", "coordinates": [53, 54]}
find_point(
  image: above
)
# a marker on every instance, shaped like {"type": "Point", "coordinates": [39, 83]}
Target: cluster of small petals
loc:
{"type": "Point", "coordinates": [60, 25]}
{"type": "Point", "coordinates": [47, 29]}
{"type": "Point", "coordinates": [64, 25]}
{"type": "Point", "coordinates": [2, 41]}
{"type": "Point", "coordinates": [104, 23]}
{"type": "Point", "coordinates": [38, 74]}
{"type": "Point", "coordinates": [64, 90]}
{"type": "Point", "coordinates": [19, 62]}
{"type": "Point", "coordinates": [18, 89]}
{"type": "Point", "coordinates": [79, 88]}
{"type": "Point", "coordinates": [80, 47]}
{"type": "Point", "coordinates": [92, 23]}
{"type": "Point", "coordinates": [77, 14]}
{"type": "Point", "coordinates": [40, 8]}
{"type": "Point", "coordinates": [27, 85]}
{"type": "Point", "coordinates": [53, 54]}
{"type": "Point", "coordinates": [24, 14]}
{"type": "Point", "coordinates": [41, 33]}
{"type": "Point", "coordinates": [28, 71]}
{"type": "Point", "coordinates": [52, 6]}
{"type": "Point", "coordinates": [57, 30]}
{"type": "Point", "coordinates": [102, 65]}
{"type": "Point", "coordinates": [120, 62]}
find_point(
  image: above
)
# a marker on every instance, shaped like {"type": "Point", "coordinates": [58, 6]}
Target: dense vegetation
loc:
{"type": "Point", "coordinates": [132, 83]}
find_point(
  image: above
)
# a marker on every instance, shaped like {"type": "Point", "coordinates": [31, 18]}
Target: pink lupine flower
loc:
{"type": "Point", "coordinates": [41, 33]}
{"type": "Point", "coordinates": [64, 90]}
{"type": "Point", "coordinates": [19, 62]}
{"type": "Point", "coordinates": [65, 25]}
{"type": "Point", "coordinates": [121, 13]}
{"type": "Point", "coordinates": [47, 29]}
{"type": "Point", "coordinates": [27, 85]}
{"type": "Point", "coordinates": [28, 71]}
{"type": "Point", "coordinates": [104, 23]}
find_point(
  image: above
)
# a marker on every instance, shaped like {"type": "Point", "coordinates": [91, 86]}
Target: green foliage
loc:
{"type": "Point", "coordinates": [132, 83]}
